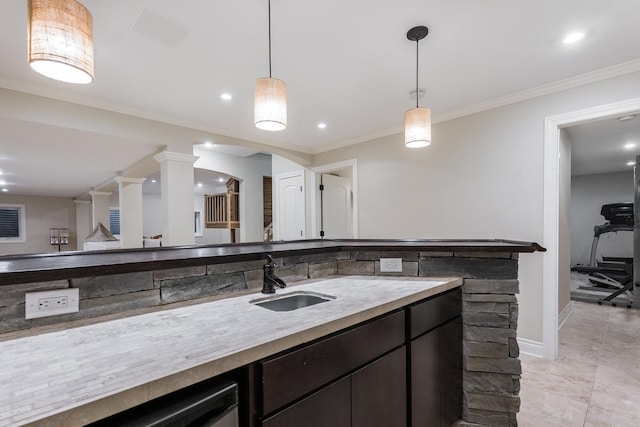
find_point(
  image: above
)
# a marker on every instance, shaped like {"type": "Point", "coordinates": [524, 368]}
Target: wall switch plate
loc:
{"type": "Point", "coordinates": [391, 265]}
{"type": "Point", "coordinates": [51, 303]}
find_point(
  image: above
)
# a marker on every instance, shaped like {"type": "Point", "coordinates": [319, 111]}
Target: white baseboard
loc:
{"type": "Point", "coordinates": [565, 314]}
{"type": "Point", "coordinates": [530, 347]}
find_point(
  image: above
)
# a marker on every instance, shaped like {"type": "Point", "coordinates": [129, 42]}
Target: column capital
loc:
{"type": "Point", "coordinates": [82, 202]}
{"type": "Point", "coordinates": [100, 193]}
{"type": "Point", "coordinates": [127, 180]}
{"type": "Point", "coordinates": [176, 157]}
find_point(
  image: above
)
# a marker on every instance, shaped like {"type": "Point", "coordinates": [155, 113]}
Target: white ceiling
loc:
{"type": "Point", "coordinates": [346, 63]}
{"type": "Point", "coordinates": [604, 146]}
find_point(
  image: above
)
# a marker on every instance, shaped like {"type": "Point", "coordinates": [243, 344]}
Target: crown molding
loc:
{"type": "Point", "coordinates": [547, 89]}
{"type": "Point", "coordinates": [524, 95]}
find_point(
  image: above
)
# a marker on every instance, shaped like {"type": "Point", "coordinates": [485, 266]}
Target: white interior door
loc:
{"type": "Point", "coordinates": [337, 212]}
{"type": "Point", "coordinates": [291, 210]}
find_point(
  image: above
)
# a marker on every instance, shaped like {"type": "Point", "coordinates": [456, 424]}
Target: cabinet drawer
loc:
{"type": "Point", "coordinates": [435, 311]}
{"type": "Point", "coordinates": [331, 406]}
{"type": "Point", "coordinates": [292, 375]}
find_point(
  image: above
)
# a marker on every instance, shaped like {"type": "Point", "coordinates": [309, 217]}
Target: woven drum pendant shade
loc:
{"type": "Point", "coordinates": [417, 127]}
{"type": "Point", "coordinates": [270, 108]}
{"type": "Point", "coordinates": [61, 40]}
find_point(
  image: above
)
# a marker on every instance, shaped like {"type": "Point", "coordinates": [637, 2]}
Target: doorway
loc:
{"type": "Point", "coordinates": [557, 256]}
{"type": "Point", "coordinates": [336, 206]}
{"type": "Point", "coordinates": [334, 210]}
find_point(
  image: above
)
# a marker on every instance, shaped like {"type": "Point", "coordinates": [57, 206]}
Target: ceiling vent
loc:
{"type": "Point", "coordinates": [162, 29]}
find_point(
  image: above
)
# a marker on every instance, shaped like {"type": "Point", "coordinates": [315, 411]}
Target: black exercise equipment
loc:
{"type": "Point", "coordinates": [612, 273]}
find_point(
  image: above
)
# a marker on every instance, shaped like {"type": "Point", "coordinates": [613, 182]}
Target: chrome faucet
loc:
{"type": "Point", "coordinates": [269, 279]}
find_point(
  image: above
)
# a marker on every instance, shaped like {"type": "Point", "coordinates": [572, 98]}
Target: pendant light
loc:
{"type": "Point", "coordinates": [270, 106]}
{"type": "Point", "coordinates": [417, 121]}
{"type": "Point", "coordinates": [61, 40]}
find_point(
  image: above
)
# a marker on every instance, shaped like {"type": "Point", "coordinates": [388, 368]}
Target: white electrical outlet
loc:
{"type": "Point", "coordinates": [391, 265]}
{"type": "Point", "coordinates": [51, 303]}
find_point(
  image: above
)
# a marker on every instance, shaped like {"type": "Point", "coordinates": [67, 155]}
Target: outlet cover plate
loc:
{"type": "Point", "coordinates": [51, 303]}
{"type": "Point", "coordinates": [391, 265]}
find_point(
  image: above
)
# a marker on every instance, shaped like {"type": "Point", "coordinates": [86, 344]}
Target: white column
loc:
{"type": "Point", "coordinates": [130, 196]}
{"type": "Point", "coordinates": [100, 208]}
{"type": "Point", "coordinates": [83, 222]}
{"type": "Point", "coordinates": [176, 177]}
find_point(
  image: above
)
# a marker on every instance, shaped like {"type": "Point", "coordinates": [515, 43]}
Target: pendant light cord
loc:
{"type": "Point", "coordinates": [269, 38]}
{"type": "Point", "coordinates": [417, 86]}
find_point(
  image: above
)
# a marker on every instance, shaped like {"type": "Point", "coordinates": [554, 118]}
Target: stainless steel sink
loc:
{"type": "Point", "coordinates": [292, 301]}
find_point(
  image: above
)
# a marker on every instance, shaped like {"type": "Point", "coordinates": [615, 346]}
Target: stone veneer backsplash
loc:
{"type": "Point", "coordinates": [121, 293]}
{"type": "Point", "coordinates": [490, 310]}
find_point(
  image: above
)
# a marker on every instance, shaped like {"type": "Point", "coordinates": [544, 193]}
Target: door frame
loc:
{"type": "Point", "coordinates": [551, 207]}
{"type": "Point", "coordinates": [314, 184]}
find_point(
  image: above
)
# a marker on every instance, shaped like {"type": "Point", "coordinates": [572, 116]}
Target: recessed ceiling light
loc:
{"type": "Point", "coordinates": [5, 189]}
{"type": "Point", "coordinates": [3, 182]}
{"type": "Point", "coordinates": [153, 180]}
{"type": "Point", "coordinates": [631, 163]}
{"type": "Point", "coordinates": [208, 144]}
{"type": "Point", "coordinates": [221, 179]}
{"type": "Point", "coordinates": [573, 37]}
{"type": "Point", "coordinates": [322, 125]}
{"type": "Point", "coordinates": [226, 97]}
{"type": "Point", "coordinates": [199, 184]}
{"type": "Point", "coordinates": [630, 145]}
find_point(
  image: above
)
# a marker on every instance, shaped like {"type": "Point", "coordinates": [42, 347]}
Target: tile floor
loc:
{"type": "Point", "coordinates": [596, 379]}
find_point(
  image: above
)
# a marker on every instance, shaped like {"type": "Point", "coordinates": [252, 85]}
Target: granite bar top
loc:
{"type": "Point", "coordinates": [79, 375]}
{"type": "Point", "coordinates": [68, 265]}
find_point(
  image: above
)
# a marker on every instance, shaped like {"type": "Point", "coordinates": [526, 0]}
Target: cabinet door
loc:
{"type": "Point", "coordinates": [379, 392]}
{"type": "Point", "coordinates": [329, 407]}
{"type": "Point", "coordinates": [287, 377]}
{"type": "Point", "coordinates": [451, 375]}
{"type": "Point", "coordinates": [426, 380]}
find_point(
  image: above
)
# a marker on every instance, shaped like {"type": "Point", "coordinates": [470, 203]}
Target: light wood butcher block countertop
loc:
{"type": "Point", "coordinates": [79, 375]}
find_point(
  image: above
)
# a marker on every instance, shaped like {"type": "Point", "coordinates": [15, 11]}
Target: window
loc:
{"type": "Point", "coordinates": [114, 221]}
{"type": "Point", "coordinates": [12, 224]}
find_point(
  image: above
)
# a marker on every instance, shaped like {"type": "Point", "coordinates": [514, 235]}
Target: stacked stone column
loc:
{"type": "Point", "coordinates": [491, 376]}
{"type": "Point", "coordinates": [491, 364]}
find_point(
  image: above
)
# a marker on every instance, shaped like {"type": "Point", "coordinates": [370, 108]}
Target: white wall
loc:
{"type": "Point", "coordinates": [250, 171]}
{"type": "Point", "coordinates": [211, 236]}
{"type": "Point", "coordinates": [84, 223]}
{"type": "Point", "coordinates": [588, 194]}
{"type": "Point", "coordinates": [151, 214]}
{"type": "Point", "coordinates": [42, 213]}
{"type": "Point", "coordinates": [482, 177]}
{"type": "Point", "coordinates": [152, 219]}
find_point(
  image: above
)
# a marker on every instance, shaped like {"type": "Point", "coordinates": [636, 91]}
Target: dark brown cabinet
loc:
{"type": "Point", "coordinates": [373, 396]}
{"type": "Point", "coordinates": [337, 379]}
{"type": "Point", "coordinates": [379, 392]}
{"type": "Point", "coordinates": [425, 379]}
{"type": "Point", "coordinates": [401, 369]}
{"type": "Point", "coordinates": [435, 370]}
{"type": "Point", "coordinates": [330, 406]}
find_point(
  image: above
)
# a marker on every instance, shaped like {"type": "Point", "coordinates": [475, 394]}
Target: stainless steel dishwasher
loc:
{"type": "Point", "coordinates": [202, 405]}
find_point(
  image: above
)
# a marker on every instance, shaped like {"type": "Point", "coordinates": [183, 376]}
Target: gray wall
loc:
{"type": "Point", "coordinates": [588, 194]}
{"type": "Point", "coordinates": [482, 177]}
{"type": "Point", "coordinates": [41, 214]}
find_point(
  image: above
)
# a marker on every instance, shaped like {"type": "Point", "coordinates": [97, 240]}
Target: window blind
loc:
{"type": "Point", "coordinates": [114, 221]}
{"type": "Point", "coordinates": [9, 222]}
